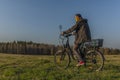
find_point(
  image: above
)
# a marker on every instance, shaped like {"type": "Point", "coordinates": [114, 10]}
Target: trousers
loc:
{"type": "Point", "coordinates": [79, 54]}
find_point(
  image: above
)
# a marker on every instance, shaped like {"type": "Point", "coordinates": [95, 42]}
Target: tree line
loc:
{"type": "Point", "coordinates": [24, 47]}
{"type": "Point", "coordinates": [110, 51]}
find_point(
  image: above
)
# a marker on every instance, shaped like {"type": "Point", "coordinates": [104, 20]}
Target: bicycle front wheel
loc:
{"type": "Point", "coordinates": [94, 60]}
{"type": "Point", "coordinates": [62, 59]}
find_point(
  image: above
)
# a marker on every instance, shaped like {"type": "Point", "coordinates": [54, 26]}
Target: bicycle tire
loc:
{"type": "Point", "coordinates": [62, 59]}
{"type": "Point", "coordinates": [94, 60]}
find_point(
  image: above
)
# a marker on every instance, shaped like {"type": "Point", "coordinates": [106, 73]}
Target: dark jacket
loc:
{"type": "Point", "coordinates": [82, 31]}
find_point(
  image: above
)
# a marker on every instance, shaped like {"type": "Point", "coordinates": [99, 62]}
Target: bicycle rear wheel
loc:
{"type": "Point", "coordinates": [94, 60]}
{"type": "Point", "coordinates": [62, 59]}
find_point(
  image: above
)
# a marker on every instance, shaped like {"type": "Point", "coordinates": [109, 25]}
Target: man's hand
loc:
{"type": "Point", "coordinates": [73, 33]}
{"type": "Point", "coordinates": [62, 33]}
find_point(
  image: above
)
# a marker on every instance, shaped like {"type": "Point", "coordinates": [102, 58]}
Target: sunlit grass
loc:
{"type": "Point", "coordinates": [37, 67]}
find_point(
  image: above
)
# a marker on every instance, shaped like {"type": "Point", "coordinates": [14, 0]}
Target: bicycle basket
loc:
{"type": "Point", "coordinates": [94, 43]}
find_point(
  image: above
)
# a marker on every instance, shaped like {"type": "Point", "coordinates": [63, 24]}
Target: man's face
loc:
{"type": "Point", "coordinates": [77, 18]}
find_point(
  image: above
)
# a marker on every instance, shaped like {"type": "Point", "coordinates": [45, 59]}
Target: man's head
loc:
{"type": "Point", "coordinates": [78, 17]}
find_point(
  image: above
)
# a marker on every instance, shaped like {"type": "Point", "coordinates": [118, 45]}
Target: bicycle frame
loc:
{"type": "Point", "coordinates": [66, 45]}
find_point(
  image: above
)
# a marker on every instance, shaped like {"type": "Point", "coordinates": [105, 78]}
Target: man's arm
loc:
{"type": "Point", "coordinates": [71, 29]}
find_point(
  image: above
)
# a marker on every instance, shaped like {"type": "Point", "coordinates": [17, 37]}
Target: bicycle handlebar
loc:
{"type": "Point", "coordinates": [65, 35]}
{"type": "Point", "coordinates": [62, 37]}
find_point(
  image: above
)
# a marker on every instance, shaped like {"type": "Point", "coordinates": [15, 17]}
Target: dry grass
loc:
{"type": "Point", "coordinates": [37, 67]}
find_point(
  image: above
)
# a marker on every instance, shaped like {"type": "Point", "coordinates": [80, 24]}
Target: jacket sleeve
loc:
{"type": "Point", "coordinates": [71, 29]}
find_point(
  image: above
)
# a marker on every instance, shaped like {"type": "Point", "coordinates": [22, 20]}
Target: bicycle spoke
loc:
{"type": "Point", "coordinates": [62, 59]}
{"type": "Point", "coordinates": [94, 60]}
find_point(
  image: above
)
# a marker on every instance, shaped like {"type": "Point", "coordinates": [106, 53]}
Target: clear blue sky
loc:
{"type": "Point", "coordinates": [38, 20]}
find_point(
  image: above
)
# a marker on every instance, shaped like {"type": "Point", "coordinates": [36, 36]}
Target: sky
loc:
{"type": "Point", "coordinates": [39, 20]}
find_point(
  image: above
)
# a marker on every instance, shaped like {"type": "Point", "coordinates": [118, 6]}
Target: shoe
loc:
{"type": "Point", "coordinates": [80, 63]}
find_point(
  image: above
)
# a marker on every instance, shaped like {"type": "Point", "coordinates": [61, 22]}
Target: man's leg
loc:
{"type": "Point", "coordinates": [78, 54]}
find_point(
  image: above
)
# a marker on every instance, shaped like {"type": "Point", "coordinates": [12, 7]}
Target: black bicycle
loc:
{"type": "Point", "coordinates": [93, 57]}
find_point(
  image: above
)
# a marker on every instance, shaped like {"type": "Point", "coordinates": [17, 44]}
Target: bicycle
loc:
{"type": "Point", "coordinates": [93, 58]}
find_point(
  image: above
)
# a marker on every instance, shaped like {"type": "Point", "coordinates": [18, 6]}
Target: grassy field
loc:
{"type": "Point", "coordinates": [36, 67]}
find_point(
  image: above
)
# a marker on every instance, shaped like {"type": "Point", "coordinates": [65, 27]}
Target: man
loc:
{"type": "Point", "coordinates": [82, 34]}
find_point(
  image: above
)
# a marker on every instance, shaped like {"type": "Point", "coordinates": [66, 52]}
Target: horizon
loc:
{"type": "Point", "coordinates": [45, 43]}
{"type": "Point", "coordinates": [38, 20]}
